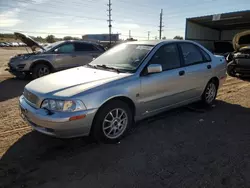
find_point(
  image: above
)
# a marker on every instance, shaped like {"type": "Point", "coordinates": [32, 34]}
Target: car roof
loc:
{"type": "Point", "coordinates": [81, 41]}
{"type": "Point", "coordinates": [156, 42]}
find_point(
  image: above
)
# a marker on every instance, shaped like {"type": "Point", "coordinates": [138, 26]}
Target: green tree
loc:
{"type": "Point", "coordinates": [67, 38]}
{"type": "Point", "coordinates": [164, 38]}
{"type": "Point", "coordinates": [178, 37]}
{"type": "Point", "coordinates": [50, 38]}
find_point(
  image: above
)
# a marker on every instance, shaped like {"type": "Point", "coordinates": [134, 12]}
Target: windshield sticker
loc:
{"type": "Point", "coordinates": [144, 47]}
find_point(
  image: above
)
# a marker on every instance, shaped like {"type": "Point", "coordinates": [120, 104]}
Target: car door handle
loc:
{"type": "Point", "coordinates": [209, 66]}
{"type": "Point", "coordinates": [181, 73]}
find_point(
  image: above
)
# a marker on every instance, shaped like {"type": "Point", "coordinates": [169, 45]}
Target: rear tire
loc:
{"type": "Point", "coordinates": [210, 93]}
{"type": "Point", "coordinates": [112, 122]}
{"type": "Point", "coordinates": [40, 70]}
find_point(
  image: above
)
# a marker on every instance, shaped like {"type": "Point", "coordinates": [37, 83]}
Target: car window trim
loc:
{"type": "Point", "coordinates": [204, 58]}
{"type": "Point", "coordinates": [198, 62]}
{"type": "Point", "coordinates": [142, 73]}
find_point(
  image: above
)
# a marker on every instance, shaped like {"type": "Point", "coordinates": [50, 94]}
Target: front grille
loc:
{"type": "Point", "coordinates": [32, 98]}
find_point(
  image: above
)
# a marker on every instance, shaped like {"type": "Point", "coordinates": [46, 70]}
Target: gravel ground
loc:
{"type": "Point", "coordinates": [185, 147]}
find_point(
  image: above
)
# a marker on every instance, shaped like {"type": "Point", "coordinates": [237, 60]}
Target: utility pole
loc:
{"type": "Point", "coordinates": [148, 34]}
{"type": "Point", "coordinates": [129, 34]}
{"type": "Point", "coordinates": [161, 26]}
{"type": "Point", "coordinates": [109, 21]}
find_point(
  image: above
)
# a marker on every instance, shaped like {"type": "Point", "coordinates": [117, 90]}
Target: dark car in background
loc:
{"type": "Point", "coordinates": [57, 56]}
{"type": "Point", "coordinates": [223, 48]}
{"type": "Point", "coordinates": [239, 60]}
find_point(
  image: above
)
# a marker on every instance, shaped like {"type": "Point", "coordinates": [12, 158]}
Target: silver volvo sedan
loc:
{"type": "Point", "coordinates": [127, 83]}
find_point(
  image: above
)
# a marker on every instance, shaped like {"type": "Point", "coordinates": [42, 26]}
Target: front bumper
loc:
{"type": "Point", "coordinates": [15, 71]}
{"type": "Point", "coordinates": [58, 123]}
{"type": "Point", "coordinates": [242, 70]}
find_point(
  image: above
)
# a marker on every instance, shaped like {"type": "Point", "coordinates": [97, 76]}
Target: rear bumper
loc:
{"type": "Point", "coordinates": [58, 123]}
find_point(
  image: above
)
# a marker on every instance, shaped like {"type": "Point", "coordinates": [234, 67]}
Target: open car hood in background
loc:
{"type": "Point", "coordinates": [241, 40]}
{"type": "Point", "coordinates": [28, 41]}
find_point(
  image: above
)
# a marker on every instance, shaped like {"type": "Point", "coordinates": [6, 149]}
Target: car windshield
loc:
{"type": "Point", "coordinates": [124, 57]}
{"type": "Point", "coordinates": [50, 46]}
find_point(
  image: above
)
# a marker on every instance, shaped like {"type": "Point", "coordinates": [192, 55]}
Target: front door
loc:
{"type": "Point", "coordinates": [64, 57]}
{"type": "Point", "coordinates": [167, 88]}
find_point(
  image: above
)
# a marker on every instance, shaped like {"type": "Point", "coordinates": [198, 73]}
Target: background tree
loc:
{"type": "Point", "coordinates": [50, 38]}
{"type": "Point", "coordinates": [164, 38]}
{"type": "Point", "coordinates": [178, 37]}
{"type": "Point", "coordinates": [67, 38]}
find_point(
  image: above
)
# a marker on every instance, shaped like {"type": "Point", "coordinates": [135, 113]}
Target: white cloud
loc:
{"type": "Point", "coordinates": [57, 25]}
{"type": "Point", "coordinates": [9, 18]}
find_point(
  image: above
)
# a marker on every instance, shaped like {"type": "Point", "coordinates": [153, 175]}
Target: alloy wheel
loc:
{"type": "Point", "coordinates": [115, 123]}
{"type": "Point", "coordinates": [43, 71]}
{"type": "Point", "coordinates": [210, 92]}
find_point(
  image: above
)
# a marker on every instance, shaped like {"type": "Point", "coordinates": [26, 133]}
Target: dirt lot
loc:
{"type": "Point", "coordinates": [180, 148]}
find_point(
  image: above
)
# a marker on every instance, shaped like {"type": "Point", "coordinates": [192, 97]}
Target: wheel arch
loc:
{"type": "Point", "coordinates": [125, 99]}
{"type": "Point", "coordinates": [216, 80]}
{"type": "Point", "coordinates": [42, 61]}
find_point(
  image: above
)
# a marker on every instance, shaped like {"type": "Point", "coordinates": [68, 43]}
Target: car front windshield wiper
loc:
{"type": "Point", "coordinates": [91, 66]}
{"type": "Point", "coordinates": [110, 68]}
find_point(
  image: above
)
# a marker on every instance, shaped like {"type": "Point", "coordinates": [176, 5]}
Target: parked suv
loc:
{"type": "Point", "coordinates": [54, 57]}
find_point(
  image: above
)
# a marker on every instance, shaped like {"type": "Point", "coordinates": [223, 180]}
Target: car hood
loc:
{"type": "Point", "coordinates": [241, 40]}
{"type": "Point", "coordinates": [72, 81]}
{"type": "Point", "coordinates": [28, 41]}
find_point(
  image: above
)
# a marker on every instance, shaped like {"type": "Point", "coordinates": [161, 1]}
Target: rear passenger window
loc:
{"type": "Point", "coordinates": [207, 57]}
{"type": "Point", "coordinates": [84, 47]}
{"type": "Point", "coordinates": [191, 54]}
{"type": "Point", "coordinates": [167, 56]}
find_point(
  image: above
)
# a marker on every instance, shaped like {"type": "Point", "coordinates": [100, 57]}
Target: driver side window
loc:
{"type": "Point", "coordinates": [167, 56]}
{"type": "Point", "coordinates": [66, 48]}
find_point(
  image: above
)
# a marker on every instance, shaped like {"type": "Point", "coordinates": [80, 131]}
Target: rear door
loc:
{"type": "Point", "coordinates": [166, 88]}
{"type": "Point", "coordinates": [198, 68]}
{"type": "Point", "coordinates": [85, 52]}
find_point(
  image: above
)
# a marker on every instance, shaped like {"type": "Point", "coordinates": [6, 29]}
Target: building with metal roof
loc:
{"type": "Point", "coordinates": [219, 27]}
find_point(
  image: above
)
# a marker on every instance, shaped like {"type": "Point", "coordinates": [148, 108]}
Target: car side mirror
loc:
{"type": "Point", "coordinates": [154, 68]}
{"type": "Point", "coordinates": [56, 51]}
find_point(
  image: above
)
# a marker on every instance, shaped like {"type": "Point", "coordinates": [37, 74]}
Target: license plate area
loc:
{"type": "Point", "coordinates": [23, 113]}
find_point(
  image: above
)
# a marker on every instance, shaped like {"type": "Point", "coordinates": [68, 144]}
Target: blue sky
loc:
{"type": "Point", "coordinates": [79, 17]}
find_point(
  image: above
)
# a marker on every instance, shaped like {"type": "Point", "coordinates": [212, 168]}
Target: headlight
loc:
{"type": "Point", "coordinates": [63, 105]}
{"type": "Point", "coordinates": [24, 57]}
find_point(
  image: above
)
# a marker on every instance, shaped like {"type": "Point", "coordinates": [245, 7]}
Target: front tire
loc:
{"type": "Point", "coordinates": [40, 70]}
{"type": "Point", "coordinates": [112, 122]}
{"type": "Point", "coordinates": [210, 93]}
